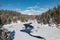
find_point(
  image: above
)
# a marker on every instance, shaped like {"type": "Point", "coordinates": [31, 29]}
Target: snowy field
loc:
{"type": "Point", "coordinates": [49, 33]}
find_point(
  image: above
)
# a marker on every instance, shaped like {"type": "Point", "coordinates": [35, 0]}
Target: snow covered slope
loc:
{"type": "Point", "coordinates": [42, 30]}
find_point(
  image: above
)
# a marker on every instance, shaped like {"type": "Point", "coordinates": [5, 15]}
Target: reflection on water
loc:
{"type": "Point", "coordinates": [28, 29]}
{"type": "Point", "coordinates": [11, 35]}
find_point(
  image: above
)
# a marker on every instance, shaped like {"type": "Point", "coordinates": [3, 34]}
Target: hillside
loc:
{"type": "Point", "coordinates": [7, 16]}
{"type": "Point", "coordinates": [52, 14]}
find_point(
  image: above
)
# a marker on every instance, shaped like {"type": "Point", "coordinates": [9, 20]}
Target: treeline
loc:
{"type": "Point", "coordinates": [53, 13]}
{"type": "Point", "coordinates": [7, 16]}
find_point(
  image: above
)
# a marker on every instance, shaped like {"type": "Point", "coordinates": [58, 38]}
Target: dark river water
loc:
{"type": "Point", "coordinates": [11, 35]}
{"type": "Point", "coordinates": [28, 28]}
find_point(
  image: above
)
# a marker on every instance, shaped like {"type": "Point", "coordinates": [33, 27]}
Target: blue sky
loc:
{"type": "Point", "coordinates": [28, 5]}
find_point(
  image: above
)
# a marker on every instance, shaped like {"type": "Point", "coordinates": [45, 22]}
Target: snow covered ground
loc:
{"type": "Point", "coordinates": [42, 30]}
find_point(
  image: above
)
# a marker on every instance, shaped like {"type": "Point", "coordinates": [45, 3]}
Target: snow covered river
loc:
{"type": "Point", "coordinates": [42, 30]}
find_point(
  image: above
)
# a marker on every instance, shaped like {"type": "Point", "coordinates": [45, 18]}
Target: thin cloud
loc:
{"type": "Point", "coordinates": [17, 9]}
{"type": "Point", "coordinates": [44, 8]}
{"type": "Point", "coordinates": [32, 10]}
{"type": "Point", "coordinates": [33, 7]}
